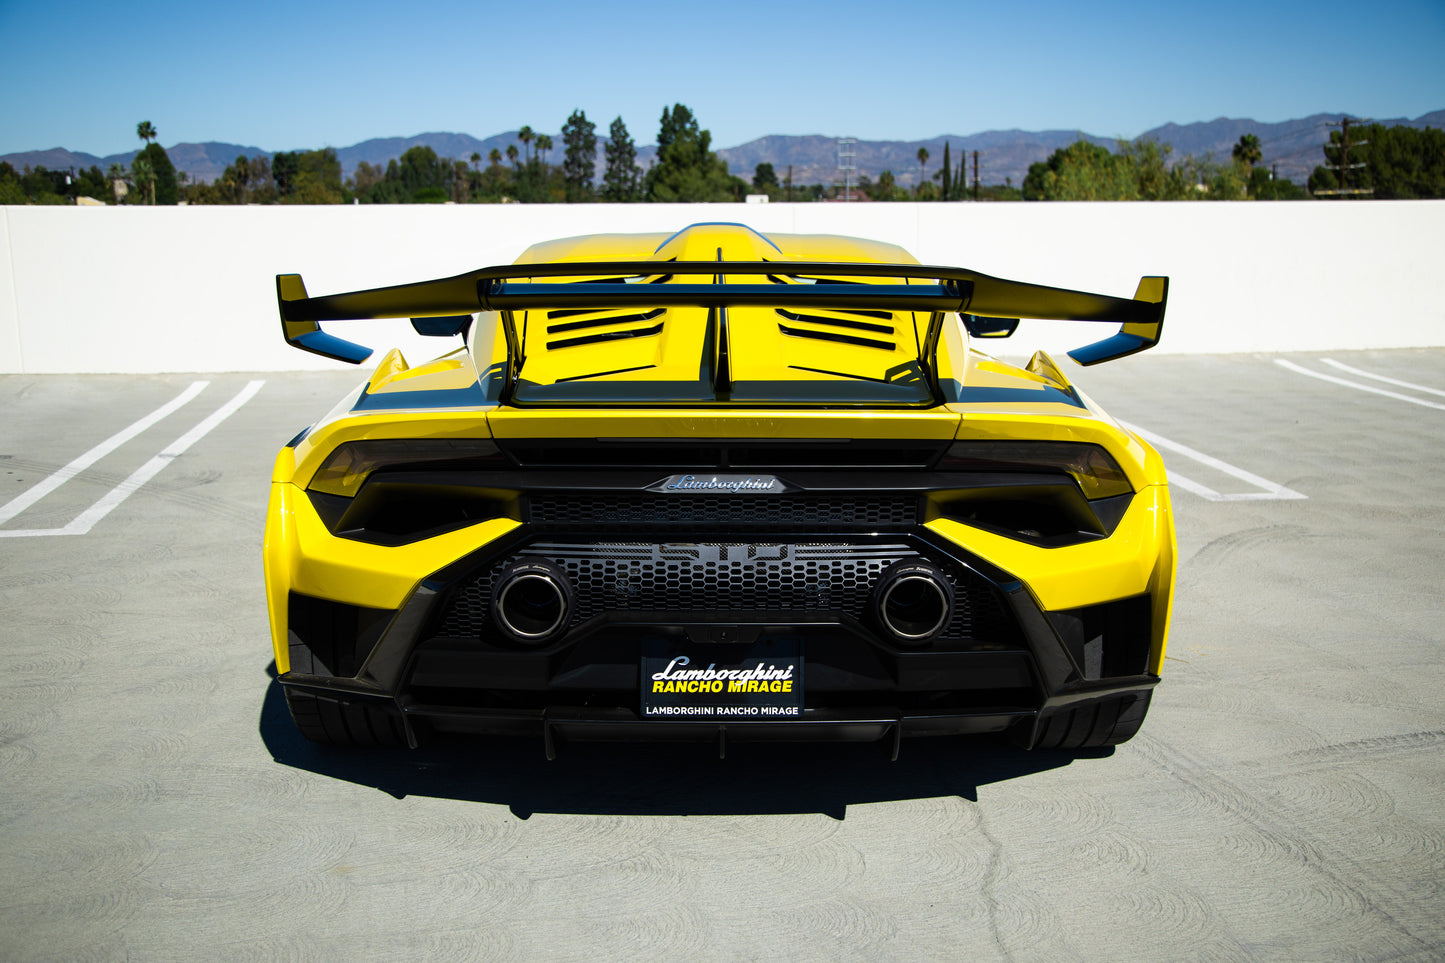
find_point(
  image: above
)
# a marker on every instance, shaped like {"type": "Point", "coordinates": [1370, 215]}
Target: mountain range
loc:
{"type": "Point", "coordinates": [1292, 147]}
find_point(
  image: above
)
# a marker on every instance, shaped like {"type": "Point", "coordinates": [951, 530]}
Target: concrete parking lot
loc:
{"type": "Point", "coordinates": [1285, 799]}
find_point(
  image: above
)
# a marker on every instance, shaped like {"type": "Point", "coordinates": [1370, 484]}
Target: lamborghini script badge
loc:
{"type": "Point", "coordinates": [720, 484]}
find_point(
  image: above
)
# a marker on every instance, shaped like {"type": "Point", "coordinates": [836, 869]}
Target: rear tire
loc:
{"type": "Point", "coordinates": [1094, 725]}
{"type": "Point", "coordinates": [332, 723]}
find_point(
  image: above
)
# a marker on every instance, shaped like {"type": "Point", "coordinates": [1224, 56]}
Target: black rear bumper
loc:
{"type": "Point", "coordinates": [1004, 666]}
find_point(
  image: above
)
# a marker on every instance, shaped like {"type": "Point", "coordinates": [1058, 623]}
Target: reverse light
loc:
{"type": "Point", "coordinates": [1096, 471]}
{"type": "Point", "coordinates": [346, 468]}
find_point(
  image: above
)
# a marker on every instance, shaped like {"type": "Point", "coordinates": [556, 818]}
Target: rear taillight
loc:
{"type": "Point", "coordinates": [346, 468]}
{"type": "Point", "coordinates": [1096, 471]}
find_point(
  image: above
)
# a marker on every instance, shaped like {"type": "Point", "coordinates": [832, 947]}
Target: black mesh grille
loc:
{"type": "Point", "coordinates": [717, 577]}
{"type": "Point", "coordinates": [811, 511]}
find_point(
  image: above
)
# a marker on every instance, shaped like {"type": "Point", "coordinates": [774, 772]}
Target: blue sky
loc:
{"type": "Point", "coordinates": [298, 75]}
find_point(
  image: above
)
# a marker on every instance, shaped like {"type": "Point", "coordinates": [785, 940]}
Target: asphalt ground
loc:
{"type": "Point", "coordinates": [1285, 799]}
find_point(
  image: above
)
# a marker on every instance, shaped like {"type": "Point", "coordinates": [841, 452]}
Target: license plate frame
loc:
{"type": "Point", "coordinates": [684, 681]}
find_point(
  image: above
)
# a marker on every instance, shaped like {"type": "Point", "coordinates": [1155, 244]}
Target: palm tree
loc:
{"type": "Point", "coordinates": [476, 160]}
{"type": "Point", "coordinates": [494, 157]}
{"type": "Point", "coordinates": [512, 154]}
{"type": "Point", "coordinates": [144, 176]}
{"type": "Point", "coordinates": [922, 167]}
{"type": "Point", "coordinates": [883, 190]}
{"type": "Point", "coordinates": [525, 135]}
{"type": "Point", "coordinates": [142, 171]}
{"type": "Point", "coordinates": [240, 172]}
{"type": "Point", "coordinates": [544, 144]}
{"type": "Point", "coordinates": [1247, 151]}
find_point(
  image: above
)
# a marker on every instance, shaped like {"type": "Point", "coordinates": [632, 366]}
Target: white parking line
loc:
{"type": "Point", "coordinates": [1269, 490]}
{"type": "Point", "coordinates": [29, 497]}
{"type": "Point", "coordinates": [1357, 386]}
{"type": "Point", "coordinates": [1389, 381]}
{"type": "Point", "coordinates": [87, 519]}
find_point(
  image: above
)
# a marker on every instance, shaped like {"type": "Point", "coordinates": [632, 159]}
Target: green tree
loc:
{"type": "Point", "coordinates": [1247, 151]}
{"type": "Point", "coordinates": [579, 160]}
{"type": "Point", "coordinates": [237, 178]}
{"type": "Point", "coordinates": [1246, 154]}
{"type": "Point", "coordinates": [884, 189]}
{"type": "Point", "coordinates": [317, 178]}
{"type": "Point", "coordinates": [262, 181]}
{"type": "Point", "coordinates": [947, 181]}
{"type": "Point", "coordinates": [495, 183]}
{"type": "Point", "coordinates": [160, 179]}
{"type": "Point", "coordinates": [365, 178]}
{"type": "Point", "coordinates": [389, 190]}
{"type": "Point", "coordinates": [922, 167]}
{"type": "Point", "coordinates": [10, 190]}
{"type": "Point", "coordinates": [143, 175]}
{"type": "Point", "coordinates": [285, 165]}
{"type": "Point", "coordinates": [1145, 162]}
{"type": "Point", "coordinates": [44, 186]}
{"type": "Point", "coordinates": [1141, 170]}
{"type": "Point", "coordinates": [460, 187]}
{"type": "Point", "coordinates": [530, 180]}
{"type": "Point", "coordinates": [1406, 162]}
{"type": "Point", "coordinates": [1400, 162]}
{"type": "Point", "coordinates": [765, 179]}
{"type": "Point", "coordinates": [423, 175]}
{"type": "Point", "coordinates": [1079, 172]}
{"type": "Point", "coordinates": [1222, 182]}
{"type": "Point", "coordinates": [621, 178]}
{"type": "Point", "coordinates": [686, 168]}
{"type": "Point", "coordinates": [165, 188]}
{"type": "Point", "coordinates": [525, 135]}
{"type": "Point", "coordinates": [1264, 186]}
{"type": "Point", "coordinates": [91, 183]}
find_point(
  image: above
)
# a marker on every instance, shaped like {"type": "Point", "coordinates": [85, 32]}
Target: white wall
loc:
{"type": "Point", "coordinates": [138, 289]}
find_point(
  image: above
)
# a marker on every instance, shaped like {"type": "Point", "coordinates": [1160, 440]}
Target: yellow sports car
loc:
{"type": "Point", "coordinates": [719, 486]}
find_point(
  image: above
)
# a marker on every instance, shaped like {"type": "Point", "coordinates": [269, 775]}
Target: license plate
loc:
{"type": "Point", "coordinates": [757, 682]}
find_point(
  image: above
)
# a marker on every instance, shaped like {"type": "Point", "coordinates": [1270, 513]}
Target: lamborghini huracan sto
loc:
{"type": "Point", "coordinates": [719, 486]}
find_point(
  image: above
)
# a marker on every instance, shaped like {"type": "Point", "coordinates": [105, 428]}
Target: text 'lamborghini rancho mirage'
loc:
{"type": "Point", "coordinates": [719, 486]}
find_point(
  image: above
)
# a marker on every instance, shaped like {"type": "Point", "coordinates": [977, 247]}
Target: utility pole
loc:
{"type": "Point", "coordinates": [1344, 165]}
{"type": "Point", "coordinates": [975, 175]}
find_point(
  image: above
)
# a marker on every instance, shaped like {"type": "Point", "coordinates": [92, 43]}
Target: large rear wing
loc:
{"type": "Point", "coordinates": [786, 284]}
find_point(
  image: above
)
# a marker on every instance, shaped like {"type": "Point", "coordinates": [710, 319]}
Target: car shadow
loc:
{"type": "Point", "coordinates": [661, 779]}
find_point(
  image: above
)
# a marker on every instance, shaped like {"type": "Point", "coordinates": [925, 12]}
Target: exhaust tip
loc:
{"type": "Point", "coordinates": [532, 601]}
{"type": "Point", "coordinates": [913, 601]}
